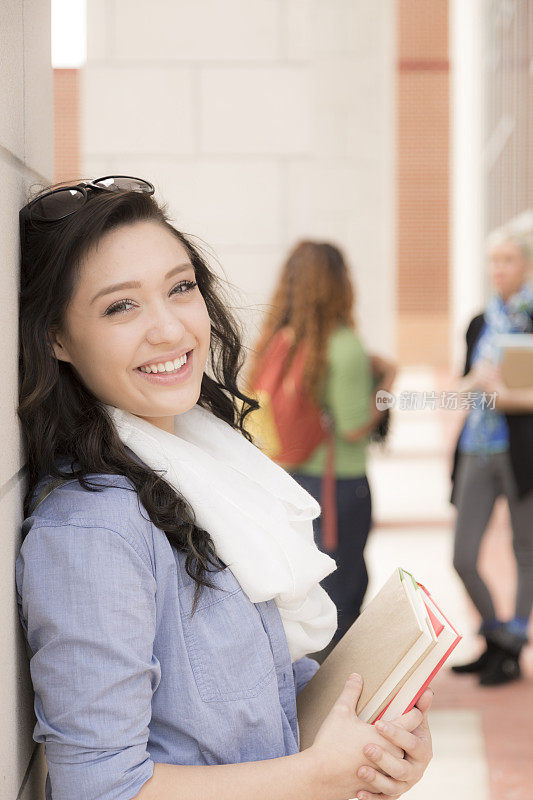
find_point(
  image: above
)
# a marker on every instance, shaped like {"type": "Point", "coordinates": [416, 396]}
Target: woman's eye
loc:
{"type": "Point", "coordinates": [119, 308]}
{"type": "Point", "coordinates": [186, 286]}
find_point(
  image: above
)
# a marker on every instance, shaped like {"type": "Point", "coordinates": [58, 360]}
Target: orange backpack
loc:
{"type": "Point", "coordinates": [290, 425]}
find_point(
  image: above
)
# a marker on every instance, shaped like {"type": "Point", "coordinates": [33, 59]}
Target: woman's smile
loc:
{"type": "Point", "coordinates": [170, 378]}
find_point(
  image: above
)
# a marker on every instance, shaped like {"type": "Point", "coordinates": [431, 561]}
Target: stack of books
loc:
{"type": "Point", "coordinates": [398, 644]}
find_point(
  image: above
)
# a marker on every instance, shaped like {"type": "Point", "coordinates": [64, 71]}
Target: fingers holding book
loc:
{"type": "Point", "coordinates": [397, 645]}
{"type": "Point", "coordinates": [412, 720]}
{"type": "Point", "coordinates": [415, 741]}
{"type": "Point", "coordinates": [422, 731]}
{"type": "Point", "coordinates": [425, 700]}
{"type": "Point", "coordinates": [403, 774]}
{"type": "Point", "coordinates": [338, 749]}
{"type": "Point", "coordinates": [392, 776]}
{"type": "Point", "coordinates": [418, 754]}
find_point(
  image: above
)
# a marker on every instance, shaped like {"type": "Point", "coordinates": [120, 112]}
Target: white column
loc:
{"type": "Point", "coordinates": [467, 190]}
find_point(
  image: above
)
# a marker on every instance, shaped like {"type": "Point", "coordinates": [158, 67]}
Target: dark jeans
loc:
{"type": "Point", "coordinates": [347, 585]}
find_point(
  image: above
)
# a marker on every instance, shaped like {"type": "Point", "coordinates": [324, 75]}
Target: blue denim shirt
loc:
{"type": "Point", "coordinates": [123, 675]}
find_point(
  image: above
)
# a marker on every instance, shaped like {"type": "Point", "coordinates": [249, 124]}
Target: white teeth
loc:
{"type": "Point", "coordinates": [168, 366]}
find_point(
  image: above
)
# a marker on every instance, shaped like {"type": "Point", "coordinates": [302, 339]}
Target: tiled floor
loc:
{"type": "Point", "coordinates": [483, 737]}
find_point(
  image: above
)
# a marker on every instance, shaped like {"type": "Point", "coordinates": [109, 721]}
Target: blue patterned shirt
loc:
{"type": "Point", "coordinates": [485, 429]}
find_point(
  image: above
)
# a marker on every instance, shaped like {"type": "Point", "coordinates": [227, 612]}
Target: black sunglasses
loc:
{"type": "Point", "coordinates": [66, 200]}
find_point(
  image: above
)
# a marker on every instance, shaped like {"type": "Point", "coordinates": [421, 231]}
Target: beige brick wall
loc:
{"type": "Point", "coordinates": [26, 158]}
{"type": "Point", "coordinates": [260, 123]}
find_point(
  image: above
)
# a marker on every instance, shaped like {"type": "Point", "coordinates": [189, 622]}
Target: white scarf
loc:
{"type": "Point", "coordinates": [259, 517]}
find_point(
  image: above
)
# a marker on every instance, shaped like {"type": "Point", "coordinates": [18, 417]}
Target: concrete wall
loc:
{"type": "Point", "coordinates": [26, 157]}
{"type": "Point", "coordinates": [261, 121]}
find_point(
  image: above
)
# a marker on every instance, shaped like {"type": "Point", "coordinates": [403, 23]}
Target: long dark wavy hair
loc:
{"type": "Point", "coordinates": [61, 418]}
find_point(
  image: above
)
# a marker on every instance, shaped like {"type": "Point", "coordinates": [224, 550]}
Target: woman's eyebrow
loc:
{"type": "Point", "coordinates": [137, 284]}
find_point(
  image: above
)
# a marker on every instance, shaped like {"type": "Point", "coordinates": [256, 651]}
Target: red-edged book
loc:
{"type": "Point", "coordinates": [398, 644]}
{"type": "Point", "coordinates": [447, 639]}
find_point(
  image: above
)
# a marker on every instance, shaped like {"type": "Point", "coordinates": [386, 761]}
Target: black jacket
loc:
{"type": "Point", "coordinates": [520, 428]}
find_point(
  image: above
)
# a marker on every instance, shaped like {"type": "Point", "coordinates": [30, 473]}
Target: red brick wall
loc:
{"type": "Point", "coordinates": [423, 181]}
{"type": "Point", "coordinates": [67, 125]}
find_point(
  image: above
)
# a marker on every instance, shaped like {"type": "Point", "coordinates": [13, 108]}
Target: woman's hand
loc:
{"type": "Point", "coordinates": [418, 753]}
{"type": "Point", "coordinates": [337, 751]}
{"type": "Point", "coordinates": [512, 401]}
{"type": "Point", "coordinates": [488, 378]}
{"type": "Point", "coordinates": [384, 371]}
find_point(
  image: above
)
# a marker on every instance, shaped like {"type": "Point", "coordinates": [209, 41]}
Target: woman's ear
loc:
{"type": "Point", "coordinates": [59, 350]}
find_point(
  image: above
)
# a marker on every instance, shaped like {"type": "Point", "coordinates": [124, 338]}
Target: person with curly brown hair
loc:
{"type": "Point", "coordinates": [314, 298]}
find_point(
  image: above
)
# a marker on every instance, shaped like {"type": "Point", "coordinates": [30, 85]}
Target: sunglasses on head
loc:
{"type": "Point", "coordinates": [66, 200]}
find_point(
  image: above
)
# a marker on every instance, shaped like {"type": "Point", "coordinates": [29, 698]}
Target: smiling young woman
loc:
{"type": "Point", "coordinates": [106, 336]}
{"type": "Point", "coordinates": [157, 581]}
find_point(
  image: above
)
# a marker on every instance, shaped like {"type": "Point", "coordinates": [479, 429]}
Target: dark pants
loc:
{"type": "Point", "coordinates": [347, 585]}
{"type": "Point", "coordinates": [480, 480]}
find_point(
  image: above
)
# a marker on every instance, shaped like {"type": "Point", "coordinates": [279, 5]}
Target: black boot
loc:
{"type": "Point", "coordinates": [503, 663]}
{"type": "Point", "coordinates": [480, 663]}
{"type": "Point", "coordinates": [503, 667]}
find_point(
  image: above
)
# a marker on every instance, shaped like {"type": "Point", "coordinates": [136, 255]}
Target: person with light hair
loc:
{"type": "Point", "coordinates": [494, 456]}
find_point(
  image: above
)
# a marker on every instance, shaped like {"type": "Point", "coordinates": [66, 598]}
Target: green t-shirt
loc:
{"type": "Point", "coordinates": [347, 395]}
